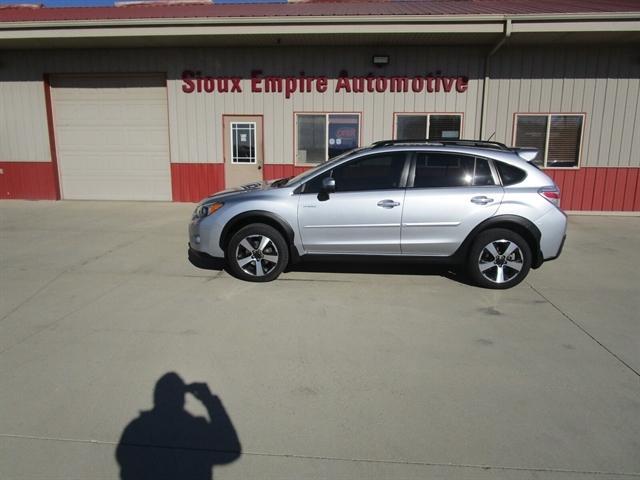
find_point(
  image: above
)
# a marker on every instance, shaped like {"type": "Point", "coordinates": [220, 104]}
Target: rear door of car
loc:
{"type": "Point", "coordinates": [448, 194]}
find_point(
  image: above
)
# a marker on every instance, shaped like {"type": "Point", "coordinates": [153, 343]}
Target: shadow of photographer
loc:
{"type": "Point", "coordinates": [168, 442]}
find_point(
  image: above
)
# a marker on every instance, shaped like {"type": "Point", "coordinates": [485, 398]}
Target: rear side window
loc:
{"type": "Point", "coordinates": [434, 170]}
{"type": "Point", "coordinates": [509, 174]}
{"type": "Point", "coordinates": [374, 172]}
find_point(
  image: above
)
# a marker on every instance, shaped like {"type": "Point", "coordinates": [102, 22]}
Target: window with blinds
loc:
{"type": "Point", "coordinates": [565, 134]}
{"type": "Point", "coordinates": [414, 126]}
{"type": "Point", "coordinates": [556, 136]}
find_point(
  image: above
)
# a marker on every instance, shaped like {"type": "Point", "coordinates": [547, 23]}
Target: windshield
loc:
{"type": "Point", "coordinates": [308, 173]}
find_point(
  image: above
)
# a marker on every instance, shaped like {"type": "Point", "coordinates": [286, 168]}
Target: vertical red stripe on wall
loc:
{"type": "Point", "coordinates": [632, 187]}
{"type": "Point", "coordinates": [191, 182]}
{"type": "Point", "coordinates": [619, 189]}
{"type": "Point", "coordinates": [28, 180]}
{"type": "Point", "coordinates": [599, 189]}
{"type": "Point", "coordinates": [589, 188]}
{"type": "Point", "coordinates": [609, 189]}
{"type": "Point", "coordinates": [636, 202]}
{"type": "Point", "coordinates": [578, 189]}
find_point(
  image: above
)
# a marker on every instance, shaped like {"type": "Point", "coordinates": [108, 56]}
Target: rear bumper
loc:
{"type": "Point", "coordinates": [559, 250]}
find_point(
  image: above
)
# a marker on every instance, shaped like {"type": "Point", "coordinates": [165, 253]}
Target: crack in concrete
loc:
{"type": "Point", "coordinates": [335, 459]}
{"type": "Point", "coordinates": [585, 331]}
{"type": "Point", "coordinates": [66, 315]}
{"type": "Point", "coordinates": [71, 269]}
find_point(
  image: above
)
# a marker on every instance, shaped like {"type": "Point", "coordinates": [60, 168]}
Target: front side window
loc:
{"type": "Point", "coordinates": [557, 137]}
{"type": "Point", "coordinates": [374, 172]}
{"type": "Point", "coordinates": [437, 170]}
{"type": "Point", "coordinates": [320, 137]}
{"type": "Point", "coordinates": [243, 142]}
{"type": "Point", "coordinates": [428, 126]}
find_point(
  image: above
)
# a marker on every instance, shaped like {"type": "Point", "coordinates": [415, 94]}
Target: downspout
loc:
{"type": "Point", "coordinates": [485, 84]}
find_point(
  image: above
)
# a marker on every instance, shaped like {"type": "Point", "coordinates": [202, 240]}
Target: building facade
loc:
{"type": "Point", "coordinates": [96, 108]}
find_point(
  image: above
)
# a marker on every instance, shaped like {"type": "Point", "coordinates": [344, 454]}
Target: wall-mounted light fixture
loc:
{"type": "Point", "coordinates": [380, 60]}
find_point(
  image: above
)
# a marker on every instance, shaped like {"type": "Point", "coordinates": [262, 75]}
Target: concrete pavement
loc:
{"type": "Point", "coordinates": [323, 374]}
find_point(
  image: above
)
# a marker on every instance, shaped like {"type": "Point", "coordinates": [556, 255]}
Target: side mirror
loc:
{"type": "Point", "coordinates": [328, 185]}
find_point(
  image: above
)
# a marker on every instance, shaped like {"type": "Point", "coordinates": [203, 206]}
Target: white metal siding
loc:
{"type": "Point", "coordinates": [112, 137]}
{"type": "Point", "coordinates": [602, 82]}
{"type": "Point", "coordinates": [23, 118]}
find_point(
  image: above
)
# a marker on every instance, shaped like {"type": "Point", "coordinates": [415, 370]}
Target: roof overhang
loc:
{"type": "Point", "coordinates": [365, 29]}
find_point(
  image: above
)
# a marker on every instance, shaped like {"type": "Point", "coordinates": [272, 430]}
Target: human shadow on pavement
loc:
{"type": "Point", "coordinates": [365, 265]}
{"type": "Point", "coordinates": [169, 443]}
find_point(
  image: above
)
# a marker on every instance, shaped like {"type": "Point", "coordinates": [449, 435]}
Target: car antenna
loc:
{"type": "Point", "coordinates": [489, 139]}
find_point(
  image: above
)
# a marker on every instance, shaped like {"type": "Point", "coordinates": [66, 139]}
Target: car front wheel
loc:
{"type": "Point", "coordinates": [499, 259]}
{"type": "Point", "coordinates": [257, 253]}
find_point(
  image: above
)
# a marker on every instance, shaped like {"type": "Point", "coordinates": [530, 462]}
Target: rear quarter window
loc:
{"type": "Point", "coordinates": [509, 174]}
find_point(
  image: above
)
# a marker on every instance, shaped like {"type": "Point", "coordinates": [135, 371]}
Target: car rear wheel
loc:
{"type": "Point", "coordinates": [257, 253]}
{"type": "Point", "coordinates": [499, 259]}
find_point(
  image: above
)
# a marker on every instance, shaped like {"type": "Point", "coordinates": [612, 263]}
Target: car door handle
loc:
{"type": "Point", "coordinates": [388, 203]}
{"type": "Point", "coordinates": [481, 200]}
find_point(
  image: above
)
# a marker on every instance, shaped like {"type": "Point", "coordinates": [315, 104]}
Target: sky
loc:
{"type": "Point", "coordinates": [94, 3]}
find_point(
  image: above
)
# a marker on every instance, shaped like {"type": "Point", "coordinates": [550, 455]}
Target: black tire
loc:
{"type": "Point", "coordinates": [500, 271]}
{"type": "Point", "coordinates": [260, 264]}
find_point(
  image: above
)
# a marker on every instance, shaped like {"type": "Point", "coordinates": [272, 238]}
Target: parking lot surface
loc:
{"type": "Point", "coordinates": [329, 372]}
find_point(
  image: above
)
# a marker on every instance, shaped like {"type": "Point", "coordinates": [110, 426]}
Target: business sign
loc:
{"type": "Point", "coordinates": [195, 82]}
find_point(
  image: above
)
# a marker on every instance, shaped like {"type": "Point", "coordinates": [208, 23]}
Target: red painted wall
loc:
{"type": "Point", "coordinates": [28, 180]}
{"type": "Point", "coordinates": [273, 171]}
{"type": "Point", "coordinates": [599, 188]}
{"type": "Point", "coordinates": [191, 182]}
{"type": "Point", "coordinates": [588, 188]}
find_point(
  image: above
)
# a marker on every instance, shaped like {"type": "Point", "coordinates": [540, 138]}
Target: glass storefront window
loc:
{"type": "Point", "coordinates": [321, 137]}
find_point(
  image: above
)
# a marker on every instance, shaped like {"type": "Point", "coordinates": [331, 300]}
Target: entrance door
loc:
{"type": "Point", "coordinates": [243, 151]}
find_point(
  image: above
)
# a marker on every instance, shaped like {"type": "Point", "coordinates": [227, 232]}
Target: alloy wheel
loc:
{"type": "Point", "coordinates": [500, 261]}
{"type": "Point", "coordinates": [257, 255]}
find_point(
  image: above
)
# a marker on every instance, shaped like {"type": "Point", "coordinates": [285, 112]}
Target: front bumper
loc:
{"type": "Point", "coordinates": [203, 260]}
{"type": "Point", "coordinates": [204, 237]}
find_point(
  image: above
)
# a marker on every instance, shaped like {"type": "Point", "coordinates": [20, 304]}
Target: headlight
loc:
{"type": "Point", "coordinates": [207, 209]}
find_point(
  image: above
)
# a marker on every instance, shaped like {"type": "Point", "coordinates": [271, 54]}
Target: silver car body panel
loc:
{"type": "Point", "coordinates": [425, 221]}
{"type": "Point", "coordinates": [351, 222]}
{"type": "Point", "coordinates": [436, 220]}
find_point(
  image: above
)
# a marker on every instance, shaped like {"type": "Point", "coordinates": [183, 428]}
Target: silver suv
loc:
{"type": "Point", "coordinates": [479, 204]}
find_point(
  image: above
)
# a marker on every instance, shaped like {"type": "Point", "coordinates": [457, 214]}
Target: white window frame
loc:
{"type": "Point", "coordinates": [252, 142]}
{"type": "Point", "coordinates": [547, 136]}
{"type": "Point", "coordinates": [326, 130]}
{"type": "Point", "coordinates": [428, 115]}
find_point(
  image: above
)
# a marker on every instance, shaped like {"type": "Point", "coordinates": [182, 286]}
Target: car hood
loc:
{"type": "Point", "coordinates": [237, 191]}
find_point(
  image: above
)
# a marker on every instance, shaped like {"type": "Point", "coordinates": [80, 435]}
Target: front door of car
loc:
{"type": "Point", "coordinates": [448, 194]}
{"type": "Point", "coordinates": [363, 215]}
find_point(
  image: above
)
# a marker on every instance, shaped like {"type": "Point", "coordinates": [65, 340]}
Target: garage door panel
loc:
{"type": "Point", "coordinates": [112, 137]}
{"type": "Point", "coordinates": [94, 114]}
{"type": "Point", "coordinates": [110, 140]}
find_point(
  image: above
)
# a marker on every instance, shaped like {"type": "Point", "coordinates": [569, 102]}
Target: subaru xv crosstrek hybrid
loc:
{"type": "Point", "coordinates": [481, 205]}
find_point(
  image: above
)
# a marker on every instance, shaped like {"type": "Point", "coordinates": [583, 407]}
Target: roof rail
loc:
{"type": "Point", "coordinates": [476, 143]}
{"type": "Point", "coordinates": [389, 143]}
{"type": "Point", "coordinates": [460, 143]}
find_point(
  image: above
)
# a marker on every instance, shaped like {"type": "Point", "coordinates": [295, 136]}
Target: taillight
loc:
{"type": "Point", "coordinates": [552, 194]}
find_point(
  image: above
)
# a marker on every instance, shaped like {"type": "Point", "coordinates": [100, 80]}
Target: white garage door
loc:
{"type": "Point", "coordinates": [112, 137]}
